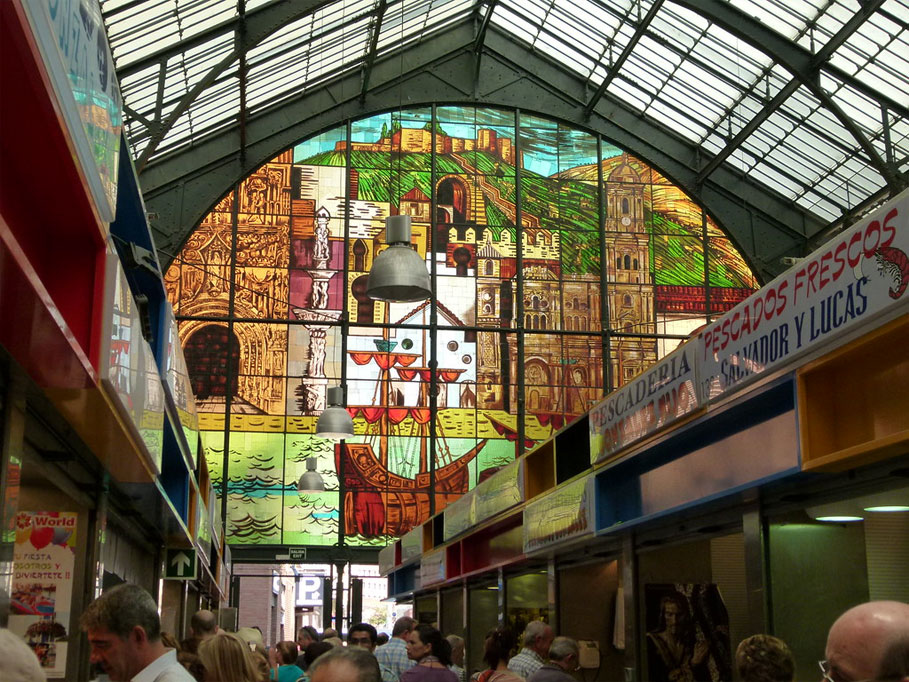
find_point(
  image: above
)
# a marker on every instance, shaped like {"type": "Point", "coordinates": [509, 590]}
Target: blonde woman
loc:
{"type": "Point", "coordinates": [227, 658]}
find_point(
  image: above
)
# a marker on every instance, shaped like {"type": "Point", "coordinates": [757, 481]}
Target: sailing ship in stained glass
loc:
{"type": "Point", "coordinates": [540, 238]}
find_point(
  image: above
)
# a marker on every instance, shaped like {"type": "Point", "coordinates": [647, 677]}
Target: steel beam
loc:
{"type": "Point", "coordinates": [805, 70]}
{"type": "Point", "coordinates": [182, 187]}
{"type": "Point", "coordinates": [617, 65]}
{"type": "Point", "coordinates": [375, 29]}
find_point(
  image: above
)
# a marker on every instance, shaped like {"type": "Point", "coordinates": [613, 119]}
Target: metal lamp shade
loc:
{"type": "Point", "coordinates": [398, 273]}
{"type": "Point", "coordinates": [311, 481]}
{"type": "Point", "coordinates": [335, 421]}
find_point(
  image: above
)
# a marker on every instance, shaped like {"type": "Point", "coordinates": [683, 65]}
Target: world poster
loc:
{"type": "Point", "coordinates": [43, 584]}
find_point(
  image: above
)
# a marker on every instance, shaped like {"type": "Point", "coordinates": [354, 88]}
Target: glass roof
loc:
{"type": "Point", "coordinates": [180, 63]}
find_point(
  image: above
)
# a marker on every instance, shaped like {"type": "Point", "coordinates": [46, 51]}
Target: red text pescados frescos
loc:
{"type": "Point", "coordinates": [810, 278]}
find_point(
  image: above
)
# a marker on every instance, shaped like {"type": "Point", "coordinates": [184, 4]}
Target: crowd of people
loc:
{"type": "Point", "coordinates": [868, 643]}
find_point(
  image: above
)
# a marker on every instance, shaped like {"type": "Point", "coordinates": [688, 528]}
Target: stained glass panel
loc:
{"type": "Point", "coordinates": [308, 230]}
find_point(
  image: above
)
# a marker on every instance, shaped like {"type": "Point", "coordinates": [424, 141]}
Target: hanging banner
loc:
{"type": "Point", "coordinates": [564, 514]}
{"type": "Point", "coordinates": [857, 276]}
{"type": "Point", "coordinates": [648, 403]}
{"type": "Point", "coordinates": [503, 490]}
{"type": "Point", "coordinates": [43, 562]}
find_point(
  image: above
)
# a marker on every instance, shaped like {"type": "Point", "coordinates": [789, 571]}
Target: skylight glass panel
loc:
{"type": "Point", "coordinates": [628, 92]}
{"type": "Point", "coordinates": [296, 32]}
{"type": "Point", "coordinates": [878, 53]}
{"type": "Point", "coordinates": [512, 23]}
{"type": "Point", "coordinates": [820, 207]}
{"type": "Point", "coordinates": [861, 109]}
{"type": "Point", "coordinates": [724, 52]}
{"type": "Point", "coordinates": [767, 174]}
{"type": "Point", "coordinates": [678, 122]}
{"type": "Point", "coordinates": [535, 10]}
{"type": "Point", "coordinates": [140, 29]}
{"type": "Point", "coordinates": [679, 25]}
{"type": "Point", "coordinates": [788, 17]}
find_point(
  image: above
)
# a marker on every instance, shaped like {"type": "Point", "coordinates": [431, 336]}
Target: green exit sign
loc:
{"type": "Point", "coordinates": [180, 564]}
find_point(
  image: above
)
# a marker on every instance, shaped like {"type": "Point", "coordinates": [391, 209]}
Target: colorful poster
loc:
{"type": "Point", "coordinates": [42, 585]}
{"type": "Point", "coordinates": [857, 276]}
{"type": "Point", "coordinates": [687, 633]}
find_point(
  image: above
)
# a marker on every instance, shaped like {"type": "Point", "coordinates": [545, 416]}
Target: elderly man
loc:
{"type": "Point", "coordinates": [857, 639]}
{"type": "Point", "coordinates": [394, 654]}
{"type": "Point", "coordinates": [364, 635]}
{"type": "Point", "coordinates": [457, 657]}
{"type": "Point", "coordinates": [202, 625]}
{"type": "Point", "coordinates": [537, 639]}
{"type": "Point", "coordinates": [345, 664]}
{"type": "Point", "coordinates": [305, 636]}
{"type": "Point", "coordinates": [124, 633]}
{"type": "Point", "coordinates": [563, 660]}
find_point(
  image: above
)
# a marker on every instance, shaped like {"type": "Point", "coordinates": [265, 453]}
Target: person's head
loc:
{"type": "Point", "coordinates": [316, 649]}
{"type": "Point", "coordinates": [764, 658]}
{"type": "Point", "coordinates": [894, 663]}
{"type": "Point", "coordinates": [857, 639]}
{"type": "Point", "coordinates": [203, 624]}
{"type": "Point", "coordinates": [329, 632]}
{"type": "Point", "coordinates": [253, 638]}
{"type": "Point", "coordinates": [564, 653]}
{"type": "Point", "coordinates": [19, 662]}
{"type": "Point", "coordinates": [306, 636]}
{"type": "Point", "coordinates": [362, 635]}
{"type": "Point", "coordinates": [673, 614]}
{"type": "Point", "coordinates": [457, 649]}
{"type": "Point", "coordinates": [425, 640]}
{"type": "Point", "coordinates": [345, 664]}
{"type": "Point", "coordinates": [382, 638]}
{"type": "Point", "coordinates": [538, 637]}
{"type": "Point", "coordinates": [124, 631]}
{"type": "Point", "coordinates": [500, 643]}
{"type": "Point", "coordinates": [286, 652]}
{"type": "Point", "coordinates": [403, 626]}
{"type": "Point", "coordinates": [169, 641]}
{"type": "Point", "coordinates": [227, 658]}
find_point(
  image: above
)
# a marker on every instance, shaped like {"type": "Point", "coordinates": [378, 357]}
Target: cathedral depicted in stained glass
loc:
{"type": "Point", "coordinates": [562, 267]}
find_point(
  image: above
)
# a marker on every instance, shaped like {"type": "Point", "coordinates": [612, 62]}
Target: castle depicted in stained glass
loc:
{"type": "Point", "coordinates": [518, 315]}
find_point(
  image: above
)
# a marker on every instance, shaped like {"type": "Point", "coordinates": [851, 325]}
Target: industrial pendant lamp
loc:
{"type": "Point", "coordinates": [311, 481]}
{"type": "Point", "coordinates": [398, 273]}
{"type": "Point", "coordinates": [335, 422]}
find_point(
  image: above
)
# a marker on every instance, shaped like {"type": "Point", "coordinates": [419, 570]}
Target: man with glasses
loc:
{"type": "Point", "coordinates": [364, 636]}
{"type": "Point", "coordinates": [857, 640]}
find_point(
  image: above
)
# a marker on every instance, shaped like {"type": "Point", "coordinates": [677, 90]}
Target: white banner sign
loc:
{"type": "Point", "coordinates": [652, 400]}
{"type": "Point", "coordinates": [43, 561]}
{"type": "Point", "coordinates": [855, 277]}
{"type": "Point", "coordinates": [564, 514]}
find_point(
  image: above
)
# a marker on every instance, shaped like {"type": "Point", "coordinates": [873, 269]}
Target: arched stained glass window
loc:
{"type": "Point", "coordinates": [272, 310]}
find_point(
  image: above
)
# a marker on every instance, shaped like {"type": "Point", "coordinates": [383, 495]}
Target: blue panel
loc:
{"type": "Point", "coordinates": [174, 474]}
{"type": "Point", "coordinates": [403, 580]}
{"type": "Point", "coordinates": [133, 241]}
{"type": "Point", "coordinates": [744, 445]}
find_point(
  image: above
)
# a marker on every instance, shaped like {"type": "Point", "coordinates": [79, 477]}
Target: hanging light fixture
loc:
{"type": "Point", "coordinates": [311, 481]}
{"type": "Point", "coordinates": [335, 422]}
{"type": "Point", "coordinates": [398, 273]}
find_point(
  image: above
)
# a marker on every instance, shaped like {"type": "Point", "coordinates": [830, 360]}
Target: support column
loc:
{"type": "Point", "coordinates": [756, 572]}
{"type": "Point", "coordinates": [629, 568]}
